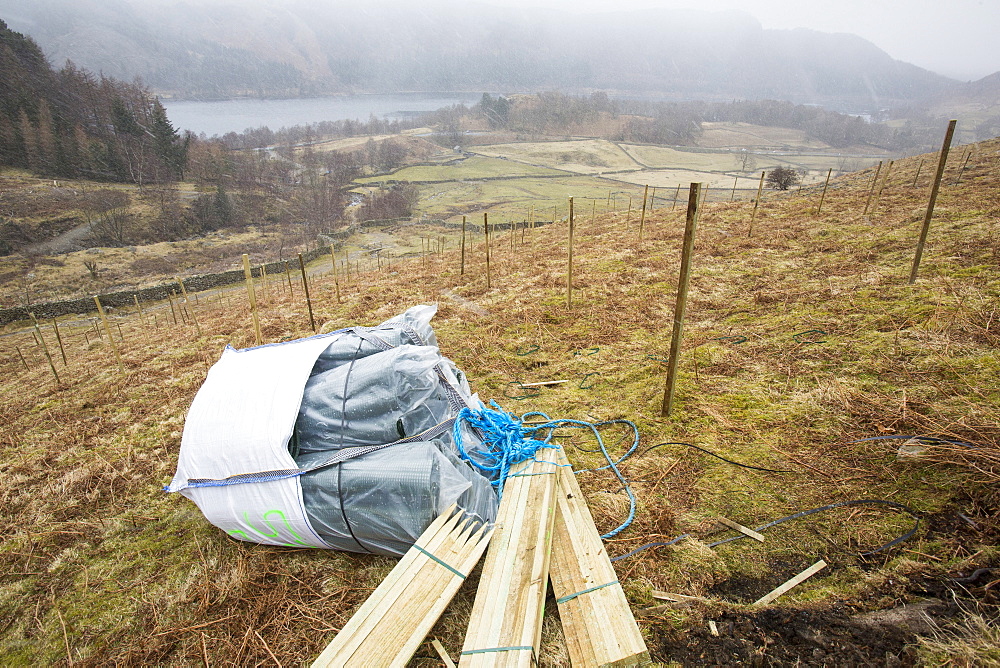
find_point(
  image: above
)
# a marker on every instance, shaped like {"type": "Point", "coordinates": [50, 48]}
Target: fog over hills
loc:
{"type": "Point", "coordinates": [298, 47]}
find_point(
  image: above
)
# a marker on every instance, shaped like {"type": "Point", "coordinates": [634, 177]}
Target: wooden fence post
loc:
{"type": "Point", "coordinates": [871, 191]}
{"type": "Point", "coordinates": [336, 275]}
{"type": "Point", "coordinates": [486, 231]}
{"type": "Point", "coordinates": [917, 175]}
{"type": "Point", "coordinates": [945, 147]}
{"type": "Point", "coordinates": [462, 270]}
{"type": "Point", "coordinates": [111, 339]}
{"type": "Point", "coordinates": [823, 196]}
{"type": "Point", "coordinates": [55, 326]}
{"type": "Point", "coordinates": [732, 197]}
{"type": "Point", "coordinates": [305, 286]}
{"type": "Point", "coordinates": [187, 300]}
{"type": "Point", "coordinates": [569, 273]}
{"type": "Point", "coordinates": [252, 294]}
{"type": "Point", "coordinates": [885, 179]}
{"type": "Point", "coordinates": [23, 361]}
{"type": "Point", "coordinates": [682, 292]}
{"type": "Point", "coordinates": [756, 203]}
{"type": "Point", "coordinates": [642, 218]}
{"type": "Point", "coordinates": [45, 348]}
{"type": "Point", "coordinates": [138, 307]}
{"type": "Point", "coordinates": [965, 164]}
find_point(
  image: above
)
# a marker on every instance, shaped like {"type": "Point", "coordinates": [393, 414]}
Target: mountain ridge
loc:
{"type": "Point", "coordinates": [299, 49]}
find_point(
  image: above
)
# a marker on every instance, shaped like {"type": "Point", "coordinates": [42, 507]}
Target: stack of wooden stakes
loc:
{"type": "Point", "coordinates": [389, 627]}
{"type": "Point", "coordinates": [543, 530]}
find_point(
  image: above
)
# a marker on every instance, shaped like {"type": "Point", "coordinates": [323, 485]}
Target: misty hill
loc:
{"type": "Point", "coordinates": [297, 47]}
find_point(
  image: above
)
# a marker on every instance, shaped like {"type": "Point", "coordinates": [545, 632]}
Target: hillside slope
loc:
{"type": "Point", "coordinates": [802, 337]}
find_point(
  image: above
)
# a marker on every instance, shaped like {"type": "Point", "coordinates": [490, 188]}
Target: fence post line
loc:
{"type": "Point", "coordinates": [945, 147]}
{"type": "Point", "coordinates": [569, 273]}
{"type": "Point", "coordinates": [677, 194]}
{"type": "Point", "coordinates": [45, 348]}
{"type": "Point", "coordinates": [682, 292]}
{"type": "Point", "coordinates": [111, 339]}
{"type": "Point", "coordinates": [251, 293]}
{"type": "Point", "coordinates": [823, 196]}
{"type": "Point", "coordinates": [305, 287]}
{"type": "Point", "coordinates": [288, 276]}
{"type": "Point", "coordinates": [55, 326]}
{"type": "Point", "coordinates": [733, 196]}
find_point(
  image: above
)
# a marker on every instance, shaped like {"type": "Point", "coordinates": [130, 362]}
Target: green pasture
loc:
{"type": "Point", "coordinates": [512, 199]}
{"type": "Point", "coordinates": [583, 156]}
{"type": "Point", "coordinates": [476, 167]}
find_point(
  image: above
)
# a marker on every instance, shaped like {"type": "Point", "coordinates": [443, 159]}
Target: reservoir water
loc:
{"type": "Point", "coordinates": [222, 116]}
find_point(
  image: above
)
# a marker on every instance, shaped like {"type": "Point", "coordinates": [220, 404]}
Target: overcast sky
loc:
{"type": "Point", "coordinates": [957, 38]}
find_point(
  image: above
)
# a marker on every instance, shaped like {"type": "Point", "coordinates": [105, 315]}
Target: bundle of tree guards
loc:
{"type": "Point", "coordinates": [543, 530]}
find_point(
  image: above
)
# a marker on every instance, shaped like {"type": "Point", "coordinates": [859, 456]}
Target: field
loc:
{"type": "Point", "coordinates": [476, 167]}
{"type": "Point", "coordinates": [534, 170]}
{"type": "Point", "coordinates": [745, 135]}
{"type": "Point", "coordinates": [802, 338]}
{"type": "Point", "coordinates": [583, 156]}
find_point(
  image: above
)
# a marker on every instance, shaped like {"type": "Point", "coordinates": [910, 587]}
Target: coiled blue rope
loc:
{"type": "Point", "coordinates": [508, 441]}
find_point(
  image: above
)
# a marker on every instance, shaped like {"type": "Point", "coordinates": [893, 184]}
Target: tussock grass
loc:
{"type": "Point", "coordinates": [99, 566]}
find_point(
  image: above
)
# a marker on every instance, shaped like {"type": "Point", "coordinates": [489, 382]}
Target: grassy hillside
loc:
{"type": "Point", "coordinates": [99, 566]}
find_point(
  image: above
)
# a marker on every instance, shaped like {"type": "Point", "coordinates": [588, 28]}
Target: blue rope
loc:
{"type": "Point", "coordinates": [508, 441]}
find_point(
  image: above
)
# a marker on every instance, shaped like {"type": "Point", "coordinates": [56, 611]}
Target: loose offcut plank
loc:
{"type": "Point", "coordinates": [597, 621]}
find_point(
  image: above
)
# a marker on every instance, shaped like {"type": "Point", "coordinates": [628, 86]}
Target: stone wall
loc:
{"type": "Point", "coordinates": [126, 298]}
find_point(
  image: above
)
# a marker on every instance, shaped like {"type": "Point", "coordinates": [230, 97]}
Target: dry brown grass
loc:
{"type": "Point", "coordinates": [100, 567]}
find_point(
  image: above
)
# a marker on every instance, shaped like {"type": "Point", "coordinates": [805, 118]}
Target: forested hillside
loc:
{"type": "Point", "coordinates": [70, 123]}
